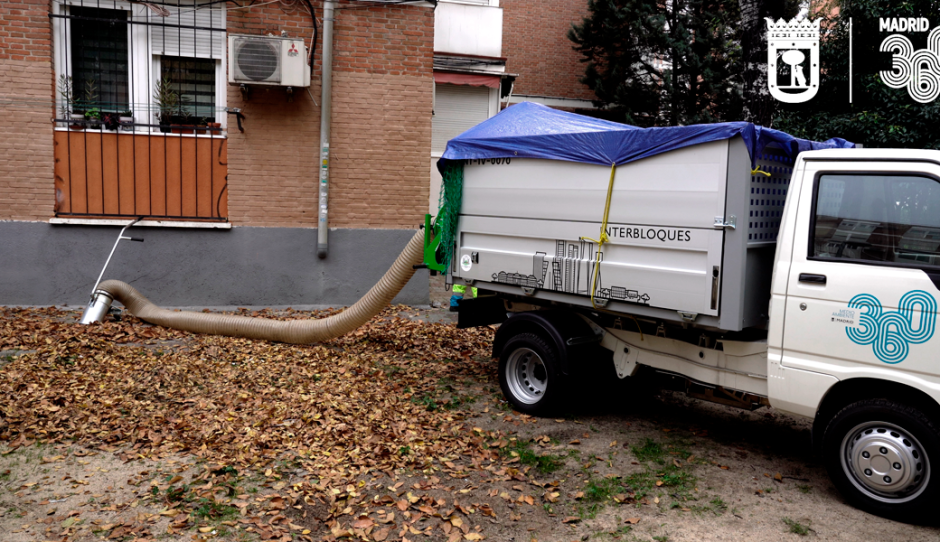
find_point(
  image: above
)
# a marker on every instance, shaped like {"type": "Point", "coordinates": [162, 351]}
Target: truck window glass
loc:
{"type": "Point", "coordinates": [878, 218]}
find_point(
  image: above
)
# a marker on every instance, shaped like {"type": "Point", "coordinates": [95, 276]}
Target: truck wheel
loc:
{"type": "Point", "coordinates": [527, 374]}
{"type": "Point", "coordinates": [881, 454]}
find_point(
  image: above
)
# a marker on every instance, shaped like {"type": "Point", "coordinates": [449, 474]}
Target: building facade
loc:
{"type": "Point", "coordinates": [489, 54]}
{"type": "Point", "coordinates": [548, 67]}
{"type": "Point", "coordinates": [119, 110]}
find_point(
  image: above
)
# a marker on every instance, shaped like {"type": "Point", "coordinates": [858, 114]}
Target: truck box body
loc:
{"type": "Point", "coordinates": [531, 225]}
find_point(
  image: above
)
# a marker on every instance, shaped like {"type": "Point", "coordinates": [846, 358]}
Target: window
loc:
{"type": "Point", "coordinates": [98, 44]}
{"type": "Point", "coordinates": [118, 56]}
{"type": "Point", "coordinates": [193, 79]}
{"type": "Point", "coordinates": [878, 218]}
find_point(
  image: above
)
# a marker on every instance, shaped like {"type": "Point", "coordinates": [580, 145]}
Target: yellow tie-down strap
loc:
{"type": "Point", "coordinates": [603, 236]}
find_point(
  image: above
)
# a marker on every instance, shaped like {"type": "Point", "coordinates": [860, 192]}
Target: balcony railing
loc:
{"type": "Point", "coordinates": [107, 174]}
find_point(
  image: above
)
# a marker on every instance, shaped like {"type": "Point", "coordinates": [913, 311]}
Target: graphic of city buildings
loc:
{"type": "Point", "coordinates": [571, 270]}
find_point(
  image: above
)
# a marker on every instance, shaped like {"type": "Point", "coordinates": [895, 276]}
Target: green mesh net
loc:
{"type": "Point", "coordinates": [449, 204]}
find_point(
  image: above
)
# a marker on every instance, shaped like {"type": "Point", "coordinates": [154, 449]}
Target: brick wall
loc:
{"type": "Point", "coordinates": [380, 151]}
{"type": "Point", "coordinates": [25, 31]}
{"type": "Point", "coordinates": [26, 95]}
{"type": "Point", "coordinates": [381, 126]}
{"type": "Point", "coordinates": [536, 44]}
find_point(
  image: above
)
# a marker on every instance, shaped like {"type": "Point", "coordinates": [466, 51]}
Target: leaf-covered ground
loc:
{"type": "Point", "coordinates": [240, 402]}
{"type": "Point", "coordinates": [374, 402]}
{"type": "Point", "coordinates": [126, 431]}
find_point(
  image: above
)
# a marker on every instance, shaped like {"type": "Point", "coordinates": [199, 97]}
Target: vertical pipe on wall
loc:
{"type": "Point", "coordinates": [326, 101]}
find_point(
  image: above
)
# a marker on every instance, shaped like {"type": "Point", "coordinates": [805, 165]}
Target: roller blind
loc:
{"type": "Point", "coordinates": [456, 109]}
{"type": "Point", "coordinates": [170, 40]}
{"type": "Point", "coordinates": [480, 2]}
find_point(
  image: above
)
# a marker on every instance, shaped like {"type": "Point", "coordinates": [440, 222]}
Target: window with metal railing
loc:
{"type": "Point", "coordinates": [99, 51]}
{"type": "Point", "coordinates": [140, 120]}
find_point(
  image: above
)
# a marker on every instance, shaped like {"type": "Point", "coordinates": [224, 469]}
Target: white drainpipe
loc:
{"type": "Point", "coordinates": [326, 99]}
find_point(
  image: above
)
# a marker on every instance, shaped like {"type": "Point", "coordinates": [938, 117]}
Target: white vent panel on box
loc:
{"type": "Point", "coordinates": [767, 197]}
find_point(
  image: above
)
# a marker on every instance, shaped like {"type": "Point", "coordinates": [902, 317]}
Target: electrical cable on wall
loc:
{"type": "Point", "coordinates": [313, 44]}
{"type": "Point", "coordinates": [286, 3]}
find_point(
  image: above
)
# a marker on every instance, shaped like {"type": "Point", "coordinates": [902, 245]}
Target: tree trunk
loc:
{"type": "Point", "coordinates": [759, 105]}
{"type": "Point", "coordinates": [674, 116]}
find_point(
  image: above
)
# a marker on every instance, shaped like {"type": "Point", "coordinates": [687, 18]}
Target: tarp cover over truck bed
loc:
{"type": "Point", "coordinates": [531, 130]}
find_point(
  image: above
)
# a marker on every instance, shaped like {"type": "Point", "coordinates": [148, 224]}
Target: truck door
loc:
{"type": "Point", "coordinates": [863, 284]}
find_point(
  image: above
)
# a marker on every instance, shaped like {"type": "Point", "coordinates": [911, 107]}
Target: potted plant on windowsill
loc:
{"type": "Point", "coordinates": [126, 120]}
{"type": "Point", "coordinates": [203, 127]}
{"type": "Point", "coordinates": [111, 121]}
{"type": "Point", "coordinates": [92, 113]}
{"type": "Point", "coordinates": [184, 123]}
{"type": "Point", "coordinates": [167, 100]}
{"type": "Point", "coordinates": [93, 118]}
{"type": "Point", "coordinates": [69, 102]}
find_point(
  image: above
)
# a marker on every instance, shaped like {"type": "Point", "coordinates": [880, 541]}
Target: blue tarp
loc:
{"type": "Point", "coordinates": [531, 130]}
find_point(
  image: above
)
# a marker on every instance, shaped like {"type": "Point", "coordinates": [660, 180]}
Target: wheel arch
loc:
{"type": "Point", "coordinates": [845, 392]}
{"type": "Point", "coordinates": [554, 325]}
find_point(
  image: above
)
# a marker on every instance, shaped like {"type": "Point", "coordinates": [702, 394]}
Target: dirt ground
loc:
{"type": "Point", "coordinates": [615, 466]}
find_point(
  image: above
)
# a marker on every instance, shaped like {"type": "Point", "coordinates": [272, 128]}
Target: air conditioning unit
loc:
{"type": "Point", "coordinates": [268, 60]}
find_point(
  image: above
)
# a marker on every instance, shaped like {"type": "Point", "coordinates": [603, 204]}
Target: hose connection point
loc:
{"type": "Point", "coordinates": [97, 308]}
{"type": "Point", "coordinates": [322, 251]}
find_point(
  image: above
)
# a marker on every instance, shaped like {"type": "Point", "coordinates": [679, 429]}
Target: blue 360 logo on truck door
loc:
{"type": "Point", "coordinates": [891, 333]}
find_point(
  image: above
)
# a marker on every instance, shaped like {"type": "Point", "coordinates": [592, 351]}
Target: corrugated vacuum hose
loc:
{"type": "Point", "coordinates": [291, 331]}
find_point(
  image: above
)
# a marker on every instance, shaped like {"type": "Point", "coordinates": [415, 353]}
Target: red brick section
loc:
{"type": "Point", "coordinates": [25, 30]}
{"type": "Point", "coordinates": [536, 44]}
{"type": "Point", "coordinates": [26, 99]}
{"type": "Point", "coordinates": [381, 131]}
{"type": "Point", "coordinates": [272, 167]}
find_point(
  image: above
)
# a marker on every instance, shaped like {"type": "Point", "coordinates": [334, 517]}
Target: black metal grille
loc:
{"type": "Point", "coordinates": [194, 80]}
{"type": "Point", "coordinates": [99, 58]}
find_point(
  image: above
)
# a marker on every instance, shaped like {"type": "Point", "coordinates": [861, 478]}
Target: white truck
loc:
{"type": "Point", "coordinates": [812, 289]}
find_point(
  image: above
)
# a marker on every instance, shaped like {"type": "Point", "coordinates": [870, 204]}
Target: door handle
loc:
{"type": "Point", "coordinates": [812, 278]}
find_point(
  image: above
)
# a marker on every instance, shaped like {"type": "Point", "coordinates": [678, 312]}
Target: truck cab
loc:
{"type": "Point", "coordinates": [856, 275]}
{"type": "Point", "coordinates": [851, 340]}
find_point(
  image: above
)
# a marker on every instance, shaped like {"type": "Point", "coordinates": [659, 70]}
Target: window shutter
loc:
{"type": "Point", "coordinates": [170, 40]}
{"type": "Point", "coordinates": [457, 108]}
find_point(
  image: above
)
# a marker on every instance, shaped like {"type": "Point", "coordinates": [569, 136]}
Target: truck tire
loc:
{"type": "Point", "coordinates": [880, 454]}
{"type": "Point", "coordinates": [528, 374]}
